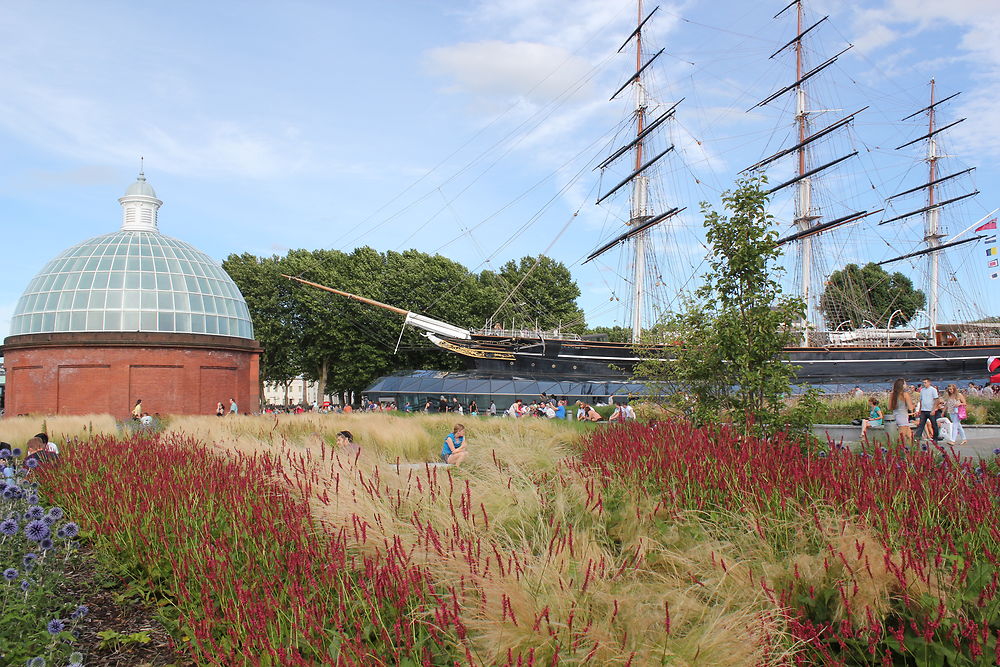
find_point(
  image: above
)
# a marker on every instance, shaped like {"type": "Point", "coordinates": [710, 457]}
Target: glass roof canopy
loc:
{"type": "Point", "coordinates": [132, 281]}
{"type": "Point", "coordinates": [418, 386]}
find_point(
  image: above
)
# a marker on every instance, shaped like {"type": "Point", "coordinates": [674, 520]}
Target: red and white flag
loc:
{"type": "Point", "coordinates": [992, 224]}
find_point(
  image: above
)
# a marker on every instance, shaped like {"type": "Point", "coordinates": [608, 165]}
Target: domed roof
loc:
{"type": "Point", "coordinates": [140, 187]}
{"type": "Point", "coordinates": [133, 280]}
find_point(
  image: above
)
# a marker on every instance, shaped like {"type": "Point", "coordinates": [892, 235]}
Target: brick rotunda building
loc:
{"type": "Point", "coordinates": [131, 315]}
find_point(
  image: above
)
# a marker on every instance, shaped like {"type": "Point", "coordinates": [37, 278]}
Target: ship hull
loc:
{"type": "Point", "coordinates": [614, 361]}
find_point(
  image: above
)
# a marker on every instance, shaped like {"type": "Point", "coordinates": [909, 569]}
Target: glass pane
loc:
{"type": "Point", "coordinates": [80, 299]}
{"type": "Point", "coordinates": [211, 324]}
{"type": "Point", "coordinates": [198, 323]}
{"type": "Point", "coordinates": [100, 280]}
{"type": "Point", "coordinates": [62, 321]}
{"type": "Point", "coordinates": [112, 320]}
{"type": "Point", "coordinates": [86, 280]}
{"type": "Point", "coordinates": [196, 303]}
{"type": "Point", "coordinates": [160, 264]}
{"type": "Point", "coordinates": [147, 264]}
{"type": "Point", "coordinates": [118, 263]}
{"type": "Point", "coordinates": [182, 322]}
{"type": "Point", "coordinates": [114, 299]}
{"type": "Point", "coordinates": [65, 300]}
{"type": "Point", "coordinates": [78, 320]}
{"type": "Point", "coordinates": [71, 281]}
{"type": "Point", "coordinates": [48, 321]}
{"type": "Point", "coordinates": [51, 300]}
{"type": "Point", "coordinates": [132, 280]}
{"type": "Point", "coordinates": [147, 280]}
{"type": "Point", "coordinates": [165, 300]}
{"type": "Point", "coordinates": [97, 299]}
{"type": "Point", "coordinates": [181, 301]}
{"type": "Point", "coordinates": [131, 299]}
{"type": "Point", "coordinates": [165, 322]}
{"type": "Point", "coordinates": [104, 264]}
{"type": "Point", "coordinates": [163, 281]}
{"type": "Point", "coordinates": [130, 320]}
{"type": "Point", "coordinates": [147, 300]}
{"type": "Point", "coordinates": [148, 321]}
{"type": "Point", "coordinates": [95, 320]}
{"type": "Point", "coordinates": [116, 280]}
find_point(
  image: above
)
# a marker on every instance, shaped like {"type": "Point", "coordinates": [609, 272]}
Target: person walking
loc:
{"type": "Point", "coordinates": [928, 403]}
{"type": "Point", "coordinates": [233, 409]}
{"type": "Point", "coordinates": [901, 406]}
{"type": "Point", "coordinates": [955, 405]}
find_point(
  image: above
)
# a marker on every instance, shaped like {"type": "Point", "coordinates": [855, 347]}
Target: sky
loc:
{"type": "Point", "coordinates": [471, 128]}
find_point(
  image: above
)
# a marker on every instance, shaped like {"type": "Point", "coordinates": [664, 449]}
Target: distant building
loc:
{"type": "Point", "coordinates": [131, 315]}
{"type": "Point", "coordinates": [300, 391]}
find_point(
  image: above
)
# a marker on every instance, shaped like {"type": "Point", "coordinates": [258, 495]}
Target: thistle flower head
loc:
{"type": "Point", "coordinates": [10, 574]}
{"type": "Point", "coordinates": [5, 453]}
{"type": "Point", "coordinates": [31, 463]}
{"type": "Point", "coordinates": [8, 527]}
{"type": "Point", "coordinates": [56, 513]}
{"type": "Point", "coordinates": [75, 659]}
{"type": "Point", "coordinates": [25, 584]}
{"type": "Point", "coordinates": [55, 626]}
{"type": "Point", "coordinates": [38, 661]}
{"type": "Point", "coordinates": [80, 611]}
{"type": "Point", "coordinates": [32, 498]}
{"type": "Point", "coordinates": [16, 452]}
{"type": "Point", "coordinates": [46, 544]}
{"type": "Point", "coordinates": [36, 531]}
{"type": "Point", "coordinates": [29, 559]}
{"type": "Point", "coordinates": [71, 529]}
{"type": "Point", "coordinates": [35, 512]}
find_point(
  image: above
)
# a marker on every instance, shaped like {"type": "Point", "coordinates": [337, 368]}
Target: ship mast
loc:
{"type": "Point", "coordinates": [639, 192]}
{"type": "Point", "coordinates": [932, 236]}
{"type": "Point", "coordinates": [803, 201]}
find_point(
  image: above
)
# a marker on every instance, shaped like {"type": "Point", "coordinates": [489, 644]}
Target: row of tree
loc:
{"type": "Point", "coordinates": [345, 345]}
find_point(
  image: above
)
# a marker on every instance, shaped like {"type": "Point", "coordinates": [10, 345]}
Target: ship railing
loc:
{"type": "Point", "coordinates": [527, 333]}
{"type": "Point", "coordinates": [869, 337]}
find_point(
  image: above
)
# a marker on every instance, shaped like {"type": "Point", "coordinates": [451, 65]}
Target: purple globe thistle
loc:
{"type": "Point", "coordinates": [56, 513]}
{"type": "Point", "coordinates": [10, 574]}
{"type": "Point", "coordinates": [15, 452]}
{"type": "Point", "coordinates": [5, 453]}
{"type": "Point", "coordinates": [38, 661]}
{"type": "Point", "coordinates": [35, 512]}
{"type": "Point", "coordinates": [75, 659]}
{"type": "Point", "coordinates": [25, 584]}
{"type": "Point", "coordinates": [31, 463]}
{"type": "Point", "coordinates": [29, 559]}
{"type": "Point", "coordinates": [46, 544]}
{"type": "Point", "coordinates": [36, 531]}
{"type": "Point", "coordinates": [55, 626]}
{"type": "Point", "coordinates": [996, 452]}
{"type": "Point", "coordinates": [80, 612]}
{"type": "Point", "coordinates": [47, 520]}
{"type": "Point", "coordinates": [32, 498]}
{"type": "Point", "coordinates": [8, 527]}
{"type": "Point", "coordinates": [71, 529]}
{"type": "Point", "coordinates": [8, 492]}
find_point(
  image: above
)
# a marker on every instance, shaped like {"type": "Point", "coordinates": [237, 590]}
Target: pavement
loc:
{"type": "Point", "coordinates": [983, 440]}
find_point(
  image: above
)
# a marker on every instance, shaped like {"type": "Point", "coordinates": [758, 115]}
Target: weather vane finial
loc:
{"type": "Point", "coordinates": [141, 173]}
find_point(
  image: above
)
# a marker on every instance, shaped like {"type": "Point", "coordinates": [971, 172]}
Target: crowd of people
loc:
{"type": "Point", "coordinates": [38, 450]}
{"type": "Point", "coordinates": [924, 414]}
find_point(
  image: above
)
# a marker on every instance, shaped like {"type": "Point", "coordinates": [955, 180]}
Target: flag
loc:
{"type": "Point", "coordinates": [994, 276]}
{"type": "Point", "coordinates": [990, 239]}
{"type": "Point", "coordinates": [993, 263]}
{"type": "Point", "coordinates": [990, 252]}
{"type": "Point", "coordinates": [992, 224]}
{"type": "Point", "coordinates": [993, 366]}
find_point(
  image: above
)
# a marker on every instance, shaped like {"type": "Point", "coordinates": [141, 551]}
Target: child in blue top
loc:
{"type": "Point", "coordinates": [454, 449]}
{"type": "Point", "coordinates": [875, 417]}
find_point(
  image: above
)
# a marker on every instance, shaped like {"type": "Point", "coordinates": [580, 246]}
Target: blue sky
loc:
{"type": "Point", "coordinates": [446, 125]}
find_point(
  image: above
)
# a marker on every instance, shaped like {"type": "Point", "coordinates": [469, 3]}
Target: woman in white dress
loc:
{"type": "Point", "coordinates": [901, 406]}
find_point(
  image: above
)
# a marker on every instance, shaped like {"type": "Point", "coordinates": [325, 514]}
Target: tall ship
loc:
{"type": "Point", "coordinates": [829, 352]}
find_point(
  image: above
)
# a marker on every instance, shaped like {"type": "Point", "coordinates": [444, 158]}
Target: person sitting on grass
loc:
{"type": "Point", "coordinates": [875, 417]}
{"type": "Point", "coordinates": [590, 414]}
{"type": "Point", "coordinates": [455, 447]}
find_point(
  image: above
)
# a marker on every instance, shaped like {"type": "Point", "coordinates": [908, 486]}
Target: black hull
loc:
{"type": "Point", "coordinates": [835, 365]}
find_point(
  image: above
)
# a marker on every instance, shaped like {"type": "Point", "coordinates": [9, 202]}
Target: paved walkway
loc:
{"type": "Point", "coordinates": [983, 440]}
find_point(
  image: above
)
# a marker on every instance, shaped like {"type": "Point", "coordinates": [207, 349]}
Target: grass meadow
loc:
{"type": "Point", "coordinates": [261, 543]}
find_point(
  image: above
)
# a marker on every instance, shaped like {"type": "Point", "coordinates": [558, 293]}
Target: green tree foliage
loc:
{"type": "Point", "coordinates": [866, 294]}
{"type": "Point", "coordinates": [615, 334]}
{"type": "Point", "coordinates": [728, 358]}
{"type": "Point", "coordinates": [344, 345]}
{"type": "Point", "coordinates": [545, 295]}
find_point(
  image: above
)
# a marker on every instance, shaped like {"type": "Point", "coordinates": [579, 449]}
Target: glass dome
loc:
{"type": "Point", "coordinates": [133, 280]}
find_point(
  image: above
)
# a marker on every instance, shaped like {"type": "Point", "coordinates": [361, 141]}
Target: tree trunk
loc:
{"type": "Point", "coordinates": [324, 369]}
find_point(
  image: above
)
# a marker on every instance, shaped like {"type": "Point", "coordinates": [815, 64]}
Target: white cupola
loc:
{"type": "Point", "coordinates": [140, 206]}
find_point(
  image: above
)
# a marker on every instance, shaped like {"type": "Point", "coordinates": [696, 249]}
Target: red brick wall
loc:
{"type": "Point", "coordinates": [94, 378]}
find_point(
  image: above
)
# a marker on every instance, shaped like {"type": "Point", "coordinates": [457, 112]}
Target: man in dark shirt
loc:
{"type": "Point", "coordinates": [38, 454]}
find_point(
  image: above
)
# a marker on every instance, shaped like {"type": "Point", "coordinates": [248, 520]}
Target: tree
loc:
{"type": "Point", "coordinates": [536, 290]}
{"type": "Point", "coordinates": [730, 337]}
{"type": "Point", "coordinates": [869, 294]}
{"type": "Point", "coordinates": [268, 298]}
{"type": "Point", "coordinates": [615, 334]}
